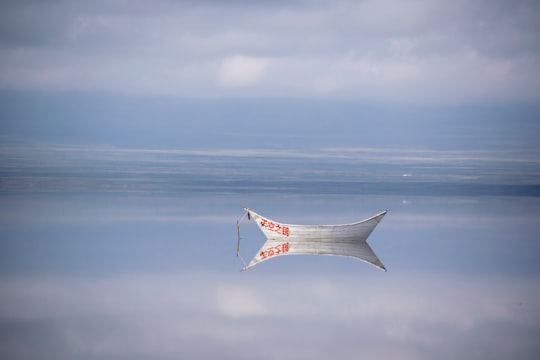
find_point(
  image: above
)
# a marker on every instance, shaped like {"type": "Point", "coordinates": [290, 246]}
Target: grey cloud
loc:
{"type": "Point", "coordinates": [25, 339]}
{"type": "Point", "coordinates": [30, 24]}
{"type": "Point", "coordinates": [331, 26]}
{"type": "Point", "coordinates": [382, 50]}
{"type": "Point", "coordinates": [504, 29]}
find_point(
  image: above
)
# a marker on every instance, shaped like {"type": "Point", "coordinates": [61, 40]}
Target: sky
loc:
{"type": "Point", "coordinates": [434, 52]}
{"type": "Point", "coordinates": [132, 134]}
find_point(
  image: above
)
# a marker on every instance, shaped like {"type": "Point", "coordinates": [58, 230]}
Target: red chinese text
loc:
{"type": "Point", "coordinates": [275, 227]}
{"type": "Point", "coordinates": [275, 250]}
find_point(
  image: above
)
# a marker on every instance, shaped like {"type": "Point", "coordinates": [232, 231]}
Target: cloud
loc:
{"type": "Point", "coordinates": [435, 52]}
{"type": "Point", "coordinates": [242, 71]}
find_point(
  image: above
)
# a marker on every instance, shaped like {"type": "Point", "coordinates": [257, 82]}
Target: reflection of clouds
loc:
{"type": "Point", "coordinates": [420, 221]}
{"type": "Point", "coordinates": [109, 209]}
{"type": "Point", "coordinates": [405, 213]}
{"type": "Point", "coordinates": [240, 301]}
{"type": "Point", "coordinates": [205, 315]}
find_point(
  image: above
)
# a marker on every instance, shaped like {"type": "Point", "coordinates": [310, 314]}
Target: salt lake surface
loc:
{"type": "Point", "coordinates": [124, 253]}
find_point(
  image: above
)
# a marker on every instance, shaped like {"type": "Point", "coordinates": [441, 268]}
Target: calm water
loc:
{"type": "Point", "coordinates": [118, 253]}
